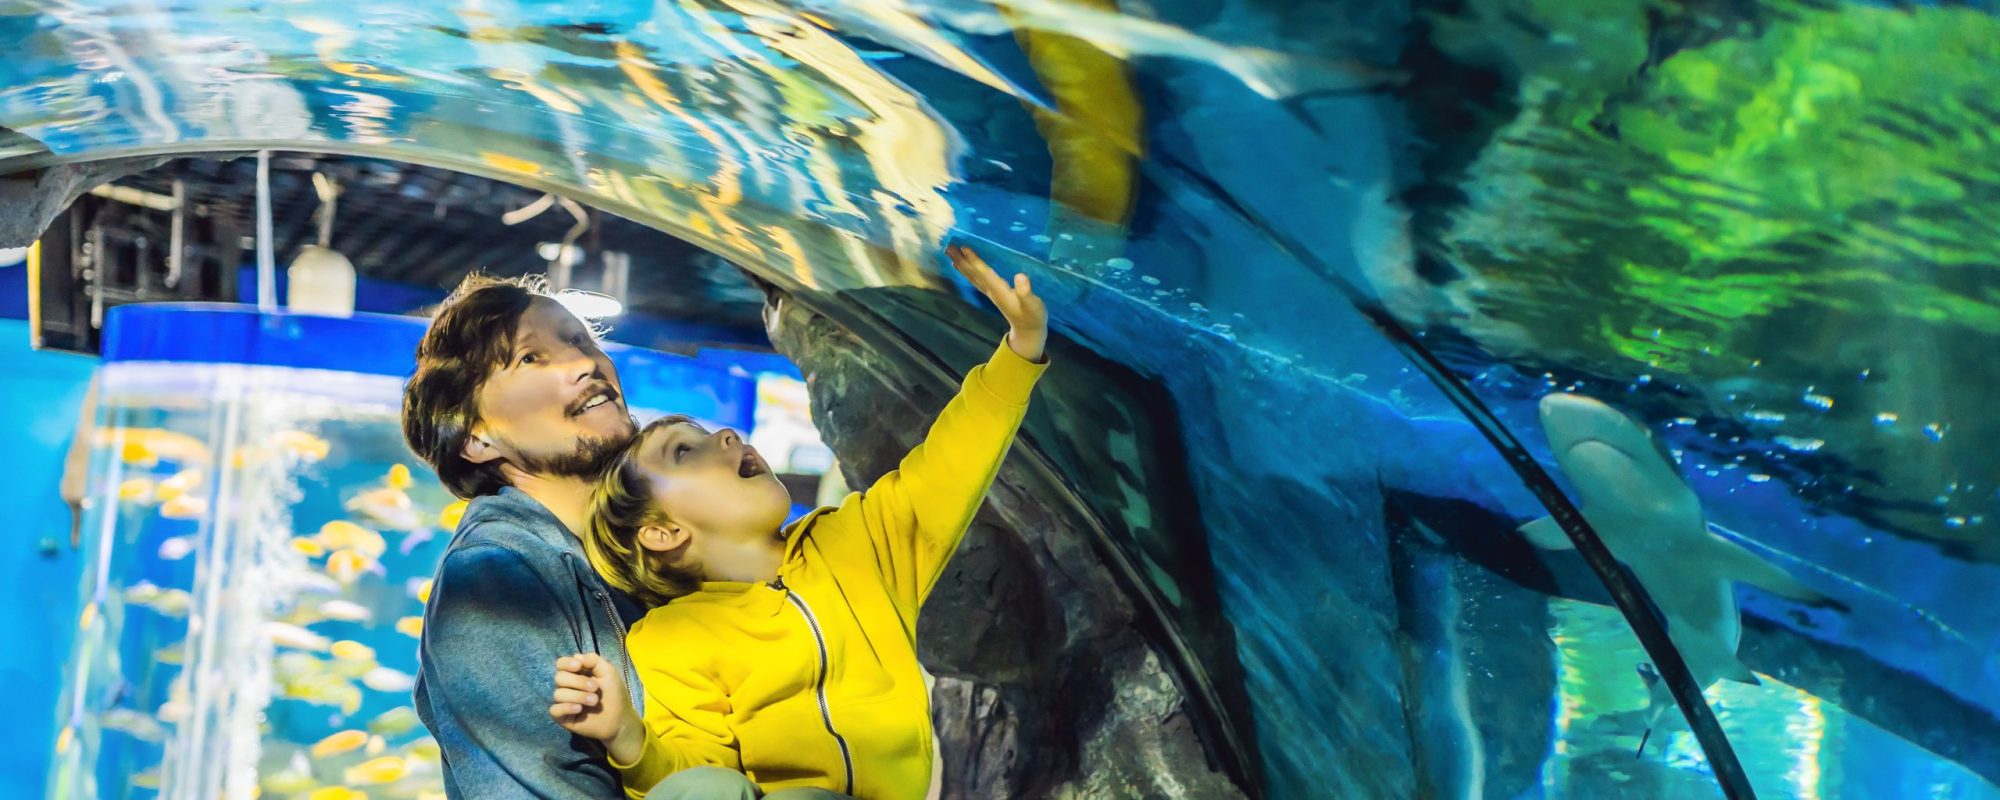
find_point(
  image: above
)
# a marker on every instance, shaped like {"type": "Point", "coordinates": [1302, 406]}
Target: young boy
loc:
{"type": "Point", "coordinates": [787, 655]}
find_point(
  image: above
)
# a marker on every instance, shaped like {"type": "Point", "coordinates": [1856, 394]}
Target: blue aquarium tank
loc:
{"type": "Point", "coordinates": [259, 544]}
{"type": "Point", "coordinates": [1453, 398]}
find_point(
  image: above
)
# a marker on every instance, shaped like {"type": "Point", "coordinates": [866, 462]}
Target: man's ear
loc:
{"type": "Point", "coordinates": [479, 448]}
{"type": "Point", "coordinates": [664, 538]}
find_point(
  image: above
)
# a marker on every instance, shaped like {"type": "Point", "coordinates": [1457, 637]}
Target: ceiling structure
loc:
{"type": "Point", "coordinates": [429, 227]}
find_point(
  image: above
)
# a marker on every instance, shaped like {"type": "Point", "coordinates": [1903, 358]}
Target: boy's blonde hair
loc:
{"type": "Point", "coordinates": [621, 504]}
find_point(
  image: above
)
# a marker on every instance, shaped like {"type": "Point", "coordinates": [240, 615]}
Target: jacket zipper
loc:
{"type": "Point", "coordinates": [819, 681]}
{"type": "Point", "coordinates": [624, 660]}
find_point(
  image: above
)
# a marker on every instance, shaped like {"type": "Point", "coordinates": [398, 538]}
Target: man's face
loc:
{"type": "Point", "coordinates": [555, 407]}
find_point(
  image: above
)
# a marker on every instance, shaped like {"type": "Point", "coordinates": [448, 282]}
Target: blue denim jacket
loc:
{"type": "Point", "coordinates": [514, 593]}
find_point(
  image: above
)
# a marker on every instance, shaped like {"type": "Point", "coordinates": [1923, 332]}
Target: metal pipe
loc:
{"type": "Point", "coordinates": [135, 197]}
{"type": "Point", "coordinates": [97, 270]}
{"type": "Point", "coordinates": [329, 193]}
{"type": "Point", "coordinates": [267, 270]}
{"type": "Point", "coordinates": [617, 274]}
{"type": "Point", "coordinates": [560, 267]}
{"type": "Point", "coordinates": [175, 240]}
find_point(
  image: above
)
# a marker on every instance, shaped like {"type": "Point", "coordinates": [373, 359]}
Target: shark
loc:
{"type": "Point", "coordinates": [1631, 492]}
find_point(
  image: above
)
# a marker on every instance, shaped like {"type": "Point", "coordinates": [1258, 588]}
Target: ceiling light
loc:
{"type": "Point", "coordinates": [571, 255]}
{"type": "Point", "coordinates": [590, 305]}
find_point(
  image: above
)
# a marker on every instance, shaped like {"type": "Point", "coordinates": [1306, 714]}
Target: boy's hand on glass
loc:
{"type": "Point", "coordinates": [1025, 312]}
{"type": "Point", "coordinates": [589, 699]}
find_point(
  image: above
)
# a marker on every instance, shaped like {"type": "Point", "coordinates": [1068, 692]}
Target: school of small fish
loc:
{"type": "Point", "coordinates": [316, 667]}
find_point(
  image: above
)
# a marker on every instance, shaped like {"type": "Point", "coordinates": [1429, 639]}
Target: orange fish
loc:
{"type": "Point", "coordinates": [449, 517]}
{"type": "Point", "coordinates": [387, 769]}
{"type": "Point", "coordinates": [346, 741]}
{"type": "Point", "coordinates": [346, 565]}
{"type": "Point", "coordinates": [343, 535]}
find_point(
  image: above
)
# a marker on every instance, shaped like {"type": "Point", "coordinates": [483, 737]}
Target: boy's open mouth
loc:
{"type": "Point", "coordinates": [753, 465]}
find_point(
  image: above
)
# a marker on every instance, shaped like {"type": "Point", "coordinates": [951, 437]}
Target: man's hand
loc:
{"type": "Point", "coordinates": [1025, 313]}
{"type": "Point", "coordinates": [589, 700]}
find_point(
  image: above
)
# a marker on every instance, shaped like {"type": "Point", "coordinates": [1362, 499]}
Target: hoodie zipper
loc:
{"type": "Point", "coordinates": [819, 681]}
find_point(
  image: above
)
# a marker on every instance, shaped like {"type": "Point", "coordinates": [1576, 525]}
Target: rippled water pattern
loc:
{"type": "Point", "coordinates": [1762, 229]}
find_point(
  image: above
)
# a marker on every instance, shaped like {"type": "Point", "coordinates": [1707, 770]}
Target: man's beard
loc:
{"type": "Point", "coordinates": [588, 460]}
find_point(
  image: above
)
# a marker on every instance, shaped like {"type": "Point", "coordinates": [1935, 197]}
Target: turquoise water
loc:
{"type": "Point", "coordinates": [1760, 229]}
{"type": "Point", "coordinates": [44, 397]}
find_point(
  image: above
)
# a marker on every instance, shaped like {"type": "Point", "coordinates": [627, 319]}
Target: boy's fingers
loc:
{"type": "Point", "coordinates": [571, 680]}
{"type": "Point", "coordinates": [981, 278]}
{"type": "Point", "coordinates": [576, 697]}
{"type": "Point", "coordinates": [599, 669]}
{"type": "Point", "coordinates": [973, 268]}
{"type": "Point", "coordinates": [561, 712]}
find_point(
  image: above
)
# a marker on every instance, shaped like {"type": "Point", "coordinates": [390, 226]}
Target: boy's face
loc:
{"type": "Point", "coordinates": [555, 407]}
{"type": "Point", "coordinates": [713, 484]}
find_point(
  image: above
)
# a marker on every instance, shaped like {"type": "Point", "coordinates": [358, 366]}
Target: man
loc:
{"type": "Point", "coordinates": [514, 405]}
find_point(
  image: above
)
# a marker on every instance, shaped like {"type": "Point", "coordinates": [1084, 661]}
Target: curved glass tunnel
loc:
{"type": "Point", "coordinates": [1758, 232]}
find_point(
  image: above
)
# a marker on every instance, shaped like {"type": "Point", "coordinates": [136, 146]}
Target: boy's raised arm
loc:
{"type": "Point", "coordinates": [916, 515]}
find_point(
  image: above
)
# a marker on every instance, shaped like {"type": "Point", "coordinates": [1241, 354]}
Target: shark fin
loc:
{"type": "Point", "coordinates": [1546, 534]}
{"type": "Point", "coordinates": [1736, 563]}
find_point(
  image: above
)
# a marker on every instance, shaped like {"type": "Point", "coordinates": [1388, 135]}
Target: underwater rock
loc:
{"type": "Point", "coordinates": [1045, 683]}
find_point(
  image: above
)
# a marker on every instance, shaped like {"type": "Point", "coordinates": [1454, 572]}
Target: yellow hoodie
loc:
{"type": "Point", "coordinates": [812, 680]}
